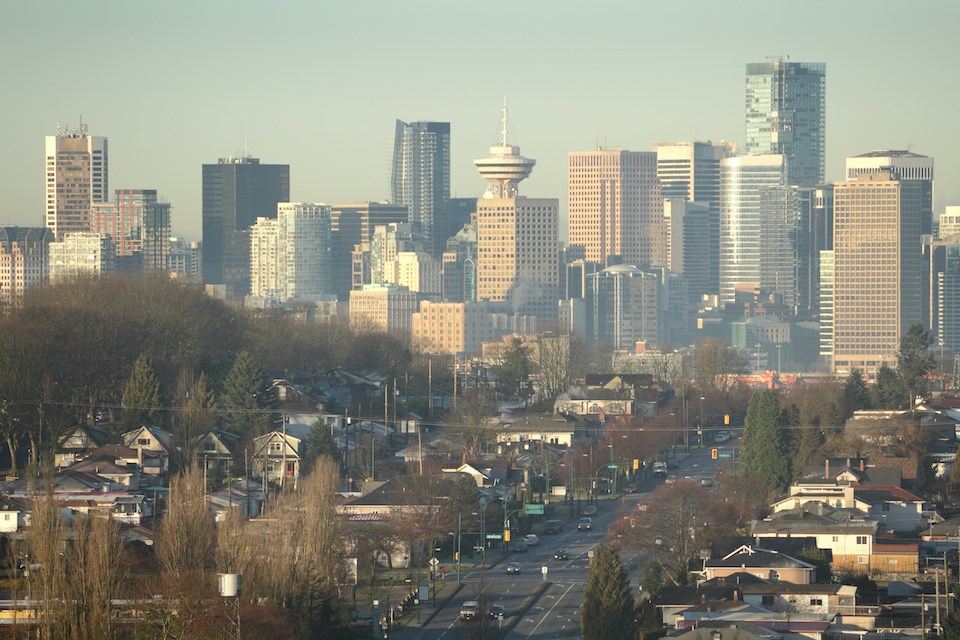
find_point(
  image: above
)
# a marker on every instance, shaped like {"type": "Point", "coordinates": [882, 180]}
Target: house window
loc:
{"type": "Point", "coordinates": [6, 516]}
{"type": "Point", "coordinates": [891, 561]}
{"type": "Point", "coordinates": [816, 602]}
{"type": "Point", "coordinates": [836, 538]}
{"type": "Point", "coordinates": [276, 447]}
{"type": "Point", "coordinates": [767, 600]}
{"type": "Point", "coordinates": [862, 559]}
{"type": "Point", "coordinates": [861, 539]}
{"type": "Point", "coordinates": [886, 506]}
{"type": "Point", "coordinates": [143, 441]}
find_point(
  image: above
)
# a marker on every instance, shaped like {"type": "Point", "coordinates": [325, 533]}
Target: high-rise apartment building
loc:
{"type": "Point", "coordinates": [85, 253]}
{"type": "Point", "coordinates": [878, 268]}
{"type": "Point", "coordinates": [785, 109]}
{"type": "Point", "coordinates": [615, 206]}
{"type": "Point", "coordinates": [624, 306]}
{"type": "Point", "coordinates": [743, 181]}
{"type": "Point", "coordinates": [688, 239]}
{"type": "Point", "coordinates": [24, 259]}
{"type": "Point", "coordinates": [421, 177]}
{"type": "Point", "coordinates": [138, 224]}
{"type": "Point", "coordinates": [691, 171]}
{"type": "Point", "coordinates": [185, 259]}
{"type": "Point", "coordinates": [76, 177]}
{"type": "Point", "coordinates": [237, 191]}
{"type": "Point", "coordinates": [517, 237]}
{"type": "Point", "coordinates": [385, 307]}
{"type": "Point", "coordinates": [290, 255]}
{"type": "Point", "coordinates": [453, 328]}
{"type": "Point", "coordinates": [949, 224]}
{"type": "Point", "coordinates": [353, 226]}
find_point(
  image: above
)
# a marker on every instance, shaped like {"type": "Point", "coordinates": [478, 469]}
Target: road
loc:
{"type": "Point", "coordinates": [556, 612]}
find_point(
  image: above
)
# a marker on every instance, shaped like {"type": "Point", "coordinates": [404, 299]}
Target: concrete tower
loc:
{"type": "Point", "coordinates": [517, 244]}
{"type": "Point", "coordinates": [75, 178]}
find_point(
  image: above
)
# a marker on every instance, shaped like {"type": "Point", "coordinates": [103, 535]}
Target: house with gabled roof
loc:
{"type": "Point", "coordinates": [149, 437]}
{"type": "Point", "coordinates": [762, 563]}
{"type": "Point", "coordinates": [216, 451]}
{"type": "Point", "coordinates": [119, 475]}
{"type": "Point", "coordinates": [77, 442]}
{"type": "Point", "coordinates": [276, 457]}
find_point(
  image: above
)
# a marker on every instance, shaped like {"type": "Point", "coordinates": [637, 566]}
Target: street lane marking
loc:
{"type": "Point", "coordinates": [530, 635]}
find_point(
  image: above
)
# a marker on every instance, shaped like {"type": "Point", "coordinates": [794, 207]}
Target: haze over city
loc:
{"type": "Point", "coordinates": [319, 86]}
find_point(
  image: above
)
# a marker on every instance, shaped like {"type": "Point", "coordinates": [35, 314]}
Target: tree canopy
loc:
{"type": "Point", "coordinates": [764, 452]}
{"type": "Point", "coordinates": [607, 601]}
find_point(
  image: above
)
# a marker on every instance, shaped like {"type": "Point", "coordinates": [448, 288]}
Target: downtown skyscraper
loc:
{"type": "Point", "coordinates": [237, 191]}
{"type": "Point", "coordinates": [785, 114]}
{"type": "Point", "coordinates": [420, 179]}
{"type": "Point", "coordinates": [75, 178]}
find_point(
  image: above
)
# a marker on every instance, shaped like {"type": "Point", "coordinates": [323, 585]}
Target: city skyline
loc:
{"type": "Point", "coordinates": [578, 80]}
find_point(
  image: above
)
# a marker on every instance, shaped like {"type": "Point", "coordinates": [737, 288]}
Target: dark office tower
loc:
{"type": "Point", "coordinates": [421, 177]}
{"type": "Point", "coordinates": [236, 191]}
{"type": "Point", "coordinates": [786, 115]}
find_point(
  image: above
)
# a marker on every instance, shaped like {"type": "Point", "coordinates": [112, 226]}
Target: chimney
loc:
{"type": "Point", "coordinates": [848, 463]}
{"type": "Point", "coordinates": [826, 468]}
{"type": "Point", "coordinates": [736, 593]}
{"type": "Point", "coordinates": [861, 464]}
{"type": "Point", "coordinates": [140, 456]}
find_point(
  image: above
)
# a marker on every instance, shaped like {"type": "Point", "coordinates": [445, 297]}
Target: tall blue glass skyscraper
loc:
{"type": "Point", "coordinates": [785, 115]}
{"type": "Point", "coordinates": [421, 178]}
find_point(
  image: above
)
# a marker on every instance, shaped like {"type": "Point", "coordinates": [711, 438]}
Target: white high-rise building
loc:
{"type": "Point", "coordinates": [82, 253]}
{"type": "Point", "coordinates": [75, 178]}
{"type": "Point", "coordinates": [744, 180]}
{"type": "Point", "coordinates": [290, 256]}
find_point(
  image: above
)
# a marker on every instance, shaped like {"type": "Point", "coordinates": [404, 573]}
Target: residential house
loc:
{"type": "Point", "coordinates": [893, 507]}
{"type": "Point", "coordinates": [557, 430]}
{"type": "Point", "coordinates": [244, 497]}
{"type": "Point", "coordinates": [76, 443]}
{"type": "Point", "coordinates": [822, 599]}
{"type": "Point", "coordinates": [848, 533]}
{"type": "Point", "coordinates": [276, 457]}
{"type": "Point", "coordinates": [403, 495]}
{"type": "Point", "coordinates": [216, 452]}
{"type": "Point", "coordinates": [153, 439]}
{"type": "Point", "coordinates": [762, 563]}
{"type": "Point", "coordinates": [14, 514]}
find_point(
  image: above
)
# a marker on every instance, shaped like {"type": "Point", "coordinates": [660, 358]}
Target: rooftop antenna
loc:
{"type": "Point", "coordinates": [83, 127]}
{"type": "Point", "coordinates": [245, 154]}
{"type": "Point", "coordinates": [503, 124]}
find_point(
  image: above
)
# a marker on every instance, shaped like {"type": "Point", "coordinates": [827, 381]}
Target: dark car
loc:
{"type": "Point", "coordinates": [561, 554]}
{"type": "Point", "coordinates": [585, 524]}
{"type": "Point", "coordinates": [497, 611]}
{"type": "Point", "coordinates": [518, 546]}
{"type": "Point", "coordinates": [552, 526]}
{"type": "Point", "coordinates": [630, 488]}
{"type": "Point", "coordinates": [513, 567]}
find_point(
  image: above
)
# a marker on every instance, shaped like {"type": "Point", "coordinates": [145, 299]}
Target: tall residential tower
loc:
{"type": "Point", "coordinates": [421, 177]}
{"type": "Point", "coordinates": [75, 179]}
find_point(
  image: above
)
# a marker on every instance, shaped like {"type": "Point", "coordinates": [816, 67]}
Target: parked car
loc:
{"type": "Point", "coordinates": [630, 488]}
{"type": "Point", "coordinates": [552, 526]}
{"type": "Point", "coordinates": [706, 482]}
{"type": "Point", "coordinates": [585, 524]}
{"type": "Point", "coordinates": [589, 510]}
{"type": "Point", "coordinates": [531, 540]}
{"type": "Point", "coordinates": [469, 610]}
{"type": "Point", "coordinates": [518, 546]}
{"type": "Point", "coordinates": [513, 567]}
{"type": "Point", "coordinates": [560, 554]}
{"type": "Point", "coordinates": [497, 611]}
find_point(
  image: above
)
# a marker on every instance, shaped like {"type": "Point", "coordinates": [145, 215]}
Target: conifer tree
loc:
{"type": "Point", "coordinates": [245, 397]}
{"type": "Point", "coordinates": [607, 602]}
{"type": "Point", "coordinates": [141, 394]}
{"type": "Point", "coordinates": [764, 444]}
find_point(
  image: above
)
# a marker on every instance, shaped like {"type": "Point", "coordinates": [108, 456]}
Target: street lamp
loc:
{"type": "Point", "coordinates": [700, 428]}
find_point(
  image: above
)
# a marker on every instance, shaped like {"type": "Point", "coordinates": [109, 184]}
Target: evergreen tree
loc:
{"type": "Point", "coordinates": [915, 361]}
{"type": "Point", "coordinates": [856, 396]}
{"type": "Point", "coordinates": [889, 391]}
{"type": "Point", "coordinates": [764, 445]}
{"type": "Point", "coordinates": [319, 443]}
{"type": "Point", "coordinates": [245, 398]}
{"type": "Point", "coordinates": [513, 371]}
{"type": "Point", "coordinates": [607, 602]}
{"type": "Point", "coordinates": [141, 394]}
{"type": "Point", "coordinates": [652, 578]}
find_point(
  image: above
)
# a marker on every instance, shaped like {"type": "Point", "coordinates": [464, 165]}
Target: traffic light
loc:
{"type": "Point", "coordinates": [506, 535]}
{"type": "Point", "coordinates": [633, 523]}
{"type": "Point", "coordinates": [714, 453]}
{"type": "Point", "coordinates": [636, 463]}
{"type": "Point", "coordinates": [726, 418]}
{"type": "Point", "coordinates": [456, 556]}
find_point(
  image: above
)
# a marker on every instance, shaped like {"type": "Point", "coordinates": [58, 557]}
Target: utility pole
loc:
{"type": "Point", "coordinates": [430, 388]}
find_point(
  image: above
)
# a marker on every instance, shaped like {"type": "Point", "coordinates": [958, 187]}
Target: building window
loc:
{"type": "Point", "coordinates": [143, 442]}
{"type": "Point", "coordinates": [861, 539]}
{"type": "Point", "coordinates": [862, 559]}
{"type": "Point", "coordinates": [886, 506]}
{"type": "Point", "coordinates": [816, 602]}
{"type": "Point", "coordinates": [767, 600]}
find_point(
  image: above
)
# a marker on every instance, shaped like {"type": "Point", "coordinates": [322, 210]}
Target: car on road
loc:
{"type": "Point", "coordinates": [589, 510]}
{"type": "Point", "coordinates": [469, 610]}
{"type": "Point", "coordinates": [513, 567]}
{"type": "Point", "coordinates": [531, 540]}
{"type": "Point", "coordinates": [722, 436]}
{"type": "Point", "coordinates": [560, 554]}
{"type": "Point", "coordinates": [630, 488]}
{"type": "Point", "coordinates": [552, 526]}
{"type": "Point", "coordinates": [518, 546]}
{"type": "Point", "coordinates": [659, 469]}
{"type": "Point", "coordinates": [706, 482]}
{"type": "Point", "coordinates": [585, 524]}
{"type": "Point", "coordinates": [670, 480]}
{"type": "Point", "coordinates": [497, 611]}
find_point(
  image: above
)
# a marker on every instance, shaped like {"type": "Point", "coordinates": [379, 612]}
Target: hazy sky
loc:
{"type": "Point", "coordinates": [318, 84]}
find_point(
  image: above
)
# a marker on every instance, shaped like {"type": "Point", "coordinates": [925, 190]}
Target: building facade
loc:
{"type": "Point", "coordinates": [237, 191]}
{"type": "Point", "coordinates": [744, 181]}
{"type": "Point", "coordinates": [625, 306]}
{"type": "Point", "coordinates": [76, 177]}
{"type": "Point", "coordinates": [452, 328]}
{"type": "Point", "coordinates": [786, 115]}
{"type": "Point", "coordinates": [24, 255]}
{"type": "Point", "coordinates": [382, 308]}
{"type": "Point", "coordinates": [615, 206]}
{"type": "Point", "coordinates": [81, 254]}
{"type": "Point", "coordinates": [290, 255]}
{"type": "Point", "coordinates": [878, 275]}
{"type": "Point", "coordinates": [691, 171]}
{"type": "Point", "coordinates": [421, 178]}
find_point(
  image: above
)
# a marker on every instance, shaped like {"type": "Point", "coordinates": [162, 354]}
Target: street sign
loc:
{"type": "Point", "coordinates": [543, 571]}
{"type": "Point", "coordinates": [434, 563]}
{"type": "Point", "coordinates": [533, 509]}
{"type": "Point", "coordinates": [613, 466]}
{"type": "Point", "coordinates": [726, 454]}
{"type": "Point", "coordinates": [494, 536]}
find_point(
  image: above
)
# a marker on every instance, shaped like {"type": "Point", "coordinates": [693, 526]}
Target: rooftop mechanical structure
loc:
{"type": "Point", "coordinates": [504, 168]}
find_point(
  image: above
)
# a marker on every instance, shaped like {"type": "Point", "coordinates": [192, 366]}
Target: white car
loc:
{"type": "Point", "coordinates": [531, 539]}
